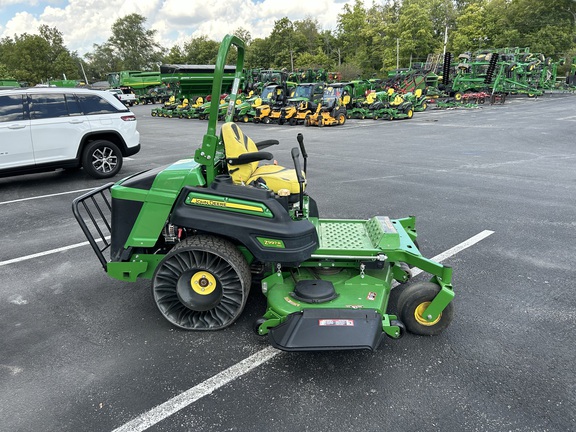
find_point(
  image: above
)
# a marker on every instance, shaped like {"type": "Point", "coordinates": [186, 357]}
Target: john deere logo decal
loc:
{"type": "Point", "coordinates": [229, 204]}
{"type": "Point", "coordinates": [206, 202]}
{"type": "Point", "coordinates": [271, 243]}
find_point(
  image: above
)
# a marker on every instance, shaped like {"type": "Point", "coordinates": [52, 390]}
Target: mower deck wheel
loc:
{"type": "Point", "coordinates": [413, 301]}
{"type": "Point", "coordinates": [256, 325]}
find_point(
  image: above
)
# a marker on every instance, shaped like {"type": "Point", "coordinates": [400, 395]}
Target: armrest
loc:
{"type": "Point", "coordinates": [266, 143]}
{"type": "Point", "coordinates": [249, 158]}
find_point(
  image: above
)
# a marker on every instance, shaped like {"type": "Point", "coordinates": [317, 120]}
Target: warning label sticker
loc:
{"type": "Point", "coordinates": [336, 323]}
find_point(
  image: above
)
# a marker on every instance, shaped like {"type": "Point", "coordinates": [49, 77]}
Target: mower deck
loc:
{"type": "Point", "coordinates": [338, 299]}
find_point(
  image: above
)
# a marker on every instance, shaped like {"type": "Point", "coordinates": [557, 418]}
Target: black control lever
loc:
{"type": "Point", "coordinates": [300, 139]}
{"type": "Point", "coordinates": [301, 180]}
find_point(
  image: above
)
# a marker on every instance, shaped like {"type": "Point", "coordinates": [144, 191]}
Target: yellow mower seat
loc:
{"type": "Point", "coordinates": [275, 176]}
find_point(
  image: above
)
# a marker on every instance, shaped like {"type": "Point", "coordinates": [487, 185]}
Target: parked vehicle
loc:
{"type": "Point", "coordinates": [125, 96]}
{"type": "Point", "coordinates": [42, 129]}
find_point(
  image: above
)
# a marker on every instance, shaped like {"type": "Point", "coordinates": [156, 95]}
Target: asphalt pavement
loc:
{"type": "Point", "coordinates": [82, 352]}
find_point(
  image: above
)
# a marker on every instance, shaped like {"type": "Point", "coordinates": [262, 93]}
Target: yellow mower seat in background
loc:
{"type": "Point", "coordinates": [398, 99]}
{"type": "Point", "coordinates": [370, 98]}
{"type": "Point", "coordinates": [199, 101]}
{"type": "Point", "coordinates": [275, 176]}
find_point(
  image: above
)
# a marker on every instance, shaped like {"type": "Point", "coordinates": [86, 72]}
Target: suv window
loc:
{"type": "Point", "coordinates": [94, 104]}
{"type": "Point", "coordinates": [44, 106]}
{"type": "Point", "coordinates": [73, 105]}
{"type": "Point", "coordinates": [11, 108]}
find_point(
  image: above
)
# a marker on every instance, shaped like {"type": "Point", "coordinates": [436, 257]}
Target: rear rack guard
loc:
{"type": "Point", "coordinates": [104, 229]}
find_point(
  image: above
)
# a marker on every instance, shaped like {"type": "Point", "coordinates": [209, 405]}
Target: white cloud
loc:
{"type": "Point", "coordinates": [85, 22]}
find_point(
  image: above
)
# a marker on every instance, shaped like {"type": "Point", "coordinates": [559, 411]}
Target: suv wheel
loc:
{"type": "Point", "coordinates": [102, 159]}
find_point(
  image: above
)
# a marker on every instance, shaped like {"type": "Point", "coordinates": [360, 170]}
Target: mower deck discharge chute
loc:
{"type": "Point", "coordinates": [203, 229]}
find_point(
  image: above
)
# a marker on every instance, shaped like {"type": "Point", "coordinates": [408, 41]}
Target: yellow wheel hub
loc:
{"type": "Point", "coordinates": [203, 283]}
{"type": "Point", "coordinates": [418, 315]}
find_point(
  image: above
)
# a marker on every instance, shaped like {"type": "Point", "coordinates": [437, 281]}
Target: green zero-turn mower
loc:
{"type": "Point", "coordinates": [203, 228]}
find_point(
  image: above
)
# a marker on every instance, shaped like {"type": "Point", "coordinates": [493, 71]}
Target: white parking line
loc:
{"type": "Point", "coordinates": [49, 252]}
{"type": "Point", "coordinates": [190, 396]}
{"type": "Point", "coordinates": [172, 406]}
{"type": "Point", "coordinates": [44, 196]}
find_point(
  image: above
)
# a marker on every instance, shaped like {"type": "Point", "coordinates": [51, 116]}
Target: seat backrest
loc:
{"type": "Point", "coordinates": [345, 99]}
{"type": "Point", "coordinates": [398, 100]}
{"type": "Point", "coordinates": [418, 93]}
{"type": "Point", "coordinates": [235, 144]}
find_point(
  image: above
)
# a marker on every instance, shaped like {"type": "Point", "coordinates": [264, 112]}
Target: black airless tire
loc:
{"type": "Point", "coordinates": [102, 159]}
{"type": "Point", "coordinates": [202, 284]}
{"type": "Point", "coordinates": [411, 304]}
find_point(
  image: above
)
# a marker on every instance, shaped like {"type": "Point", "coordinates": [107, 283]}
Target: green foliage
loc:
{"type": "Point", "coordinates": [201, 50]}
{"type": "Point", "coordinates": [131, 47]}
{"type": "Point", "coordinates": [38, 58]}
{"type": "Point", "coordinates": [4, 72]}
{"type": "Point", "coordinates": [364, 42]}
{"type": "Point", "coordinates": [314, 61]}
{"type": "Point", "coordinates": [175, 56]}
{"type": "Point", "coordinates": [472, 28]}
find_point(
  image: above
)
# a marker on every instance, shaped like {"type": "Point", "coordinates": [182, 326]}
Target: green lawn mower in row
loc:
{"type": "Point", "coordinates": [203, 229]}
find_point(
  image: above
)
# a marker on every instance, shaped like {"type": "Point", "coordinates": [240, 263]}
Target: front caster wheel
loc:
{"type": "Point", "coordinates": [257, 325]}
{"type": "Point", "coordinates": [202, 284]}
{"type": "Point", "coordinates": [413, 301]}
{"type": "Point", "coordinates": [401, 328]}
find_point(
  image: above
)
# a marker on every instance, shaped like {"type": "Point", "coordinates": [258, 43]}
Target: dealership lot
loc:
{"type": "Point", "coordinates": [83, 352]}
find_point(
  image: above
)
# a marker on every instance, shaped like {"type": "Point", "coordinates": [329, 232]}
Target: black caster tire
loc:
{"type": "Point", "coordinates": [257, 325]}
{"type": "Point", "coordinates": [413, 301]}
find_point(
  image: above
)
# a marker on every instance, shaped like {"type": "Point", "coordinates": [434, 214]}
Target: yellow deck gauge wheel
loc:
{"type": "Point", "coordinates": [419, 311]}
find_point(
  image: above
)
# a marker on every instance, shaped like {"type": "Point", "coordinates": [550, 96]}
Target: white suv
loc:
{"type": "Point", "coordinates": [42, 129]}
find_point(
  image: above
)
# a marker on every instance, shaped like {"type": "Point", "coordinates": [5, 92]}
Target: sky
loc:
{"type": "Point", "coordinates": [86, 22]}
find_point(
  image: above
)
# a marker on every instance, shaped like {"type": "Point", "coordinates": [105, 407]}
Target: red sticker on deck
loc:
{"type": "Point", "coordinates": [335, 323]}
{"type": "Point", "coordinates": [371, 296]}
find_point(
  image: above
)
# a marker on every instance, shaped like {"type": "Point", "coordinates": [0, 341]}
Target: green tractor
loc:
{"type": "Point", "coordinates": [202, 229]}
{"type": "Point", "coordinates": [418, 100]}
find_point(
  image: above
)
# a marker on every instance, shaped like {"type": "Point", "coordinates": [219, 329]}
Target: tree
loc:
{"type": "Point", "coordinates": [175, 55]}
{"type": "Point", "coordinates": [349, 31]}
{"type": "Point", "coordinates": [416, 32]}
{"type": "Point", "coordinates": [131, 47]}
{"type": "Point", "coordinates": [319, 60]}
{"type": "Point", "coordinates": [134, 44]}
{"type": "Point", "coordinates": [37, 58]}
{"type": "Point", "coordinates": [243, 34]}
{"type": "Point", "coordinates": [308, 28]}
{"type": "Point", "coordinates": [4, 74]}
{"type": "Point", "coordinates": [259, 55]}
{"type": "Point", "coordinates": [101, 61]}
{"type": "Point", "coordinates": [201, 50]}
{"type": "Point", "coordinates": [285, 43]}
{"type": "Point", "coordinates": [471, 31]}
